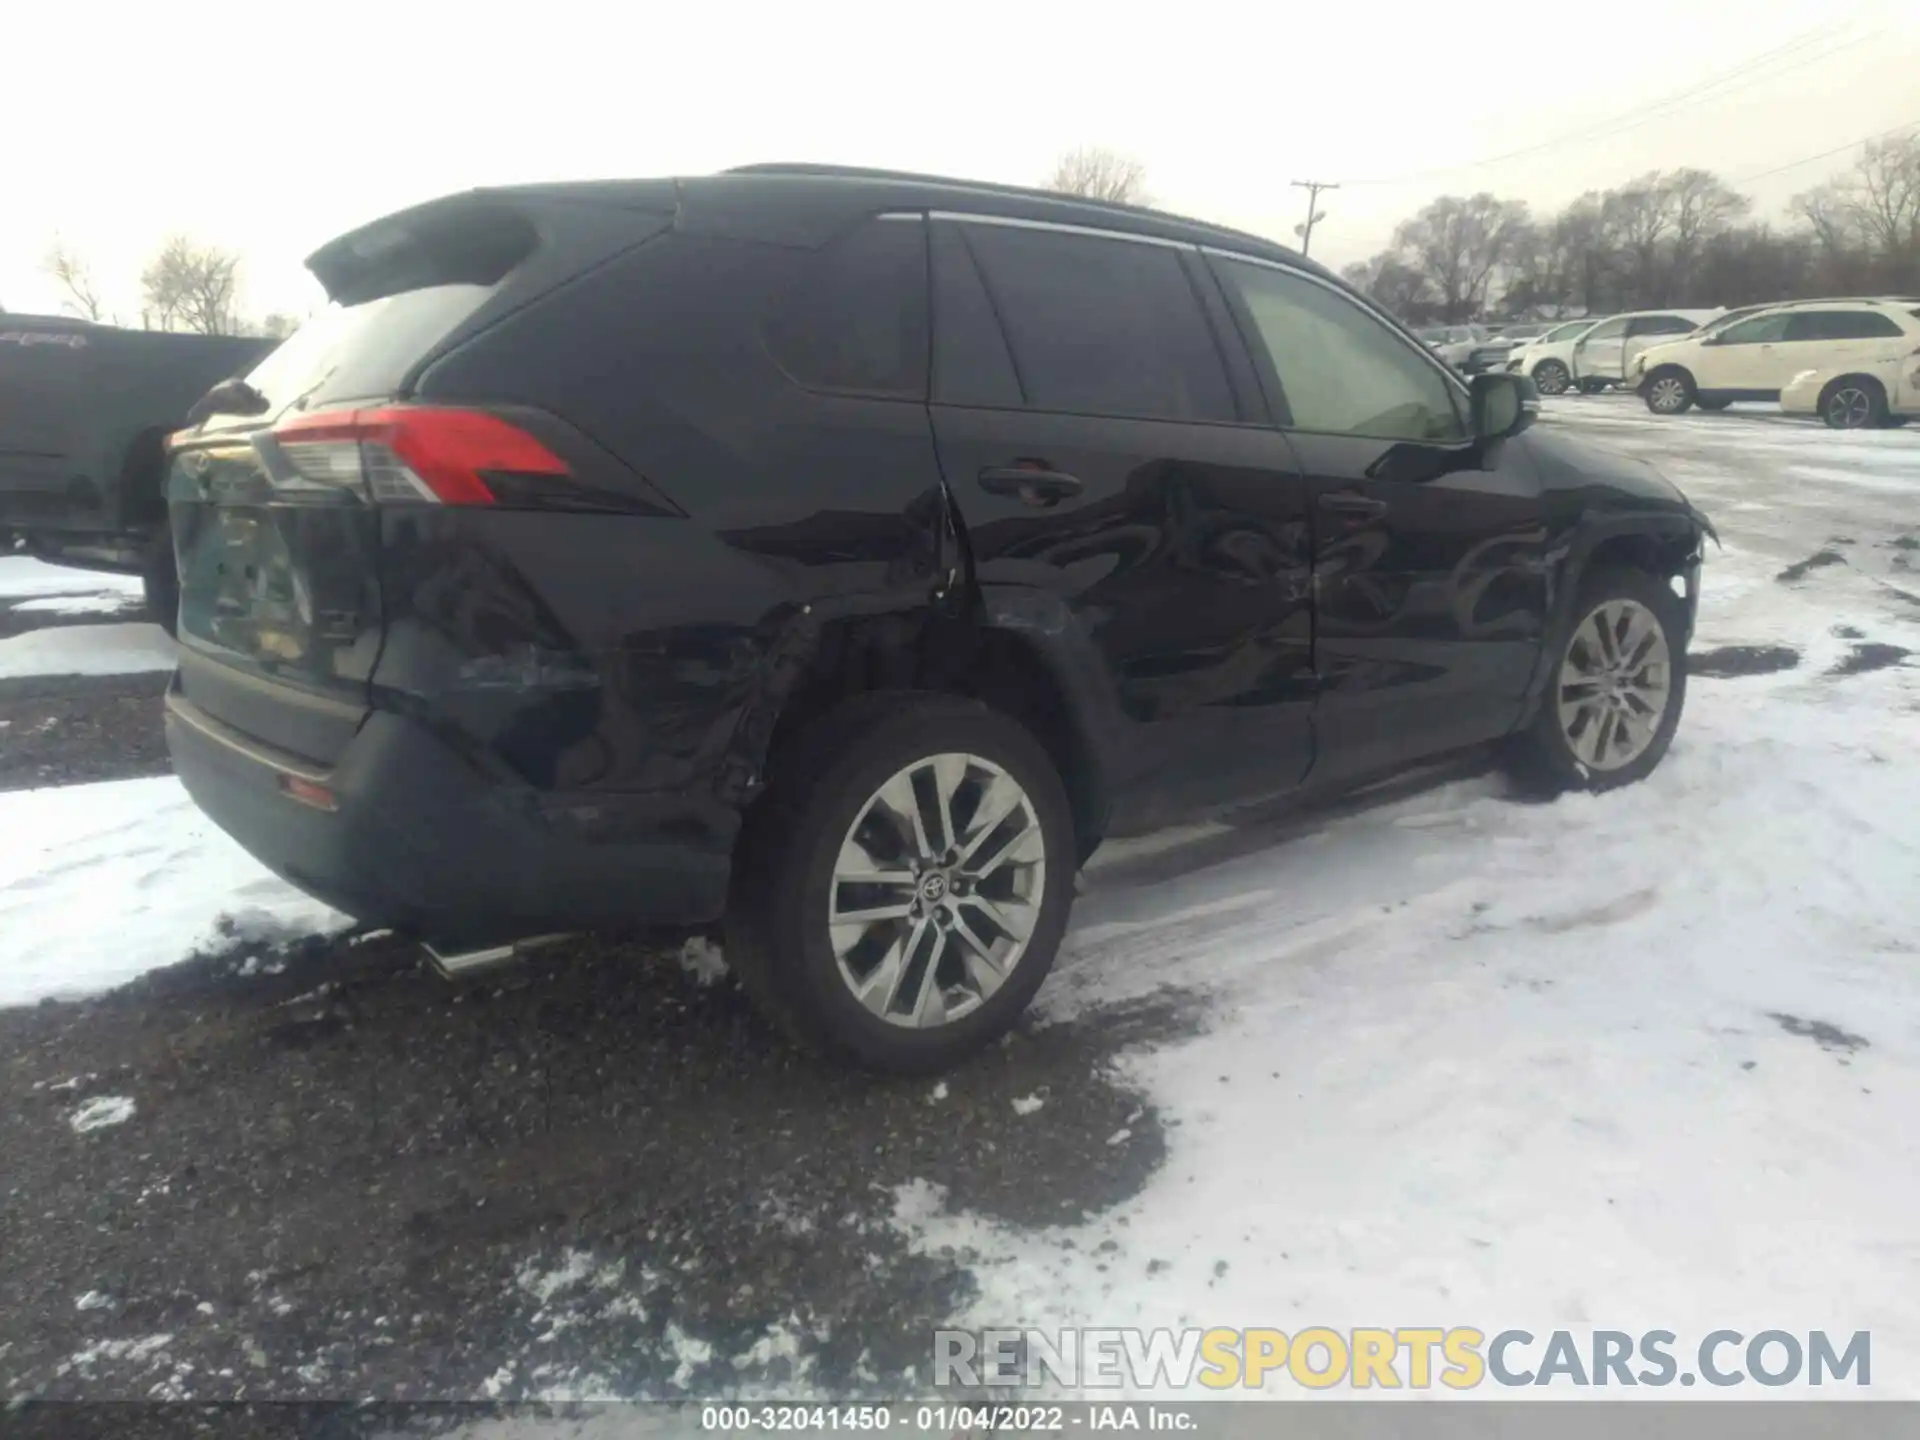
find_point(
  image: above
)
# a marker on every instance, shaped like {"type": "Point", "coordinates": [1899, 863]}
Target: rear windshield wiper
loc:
{"type": "Point", "coordinates": [229, 397]}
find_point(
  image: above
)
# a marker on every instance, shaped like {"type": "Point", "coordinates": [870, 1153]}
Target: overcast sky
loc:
{"type": "Point", "coordinates": [271, 126]}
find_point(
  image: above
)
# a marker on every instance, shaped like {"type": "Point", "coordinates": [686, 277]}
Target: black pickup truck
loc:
{"type": "Point", "coordinates": [84, 413]}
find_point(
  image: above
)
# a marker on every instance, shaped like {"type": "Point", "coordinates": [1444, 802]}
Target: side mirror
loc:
{"type": "Point", "coordinates": [1501, 404]}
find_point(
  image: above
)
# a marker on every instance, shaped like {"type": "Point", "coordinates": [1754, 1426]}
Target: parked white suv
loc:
{"type": "Point", "coordinates": [1878, 384]}
{"type": "Point", "coordinates": [1548, 358]}
{"type": "Point", "coordinates": [1811, 348]}
{"type": "Point", "coordinates": [1605, 354]}
{"type": "Point", "coordinates": [1548, 361]}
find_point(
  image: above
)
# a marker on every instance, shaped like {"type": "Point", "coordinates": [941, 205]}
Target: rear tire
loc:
{"type": "Point", "coordinates": [1550, 377]}
{"type": "Point", "coordinates": [916, 991]}
{"type": "Point", "coordinates": [160, 583]}
{"type": "Point", "coordinates": [1854, 402]}
{"type": "Point", "coordinates": [1608, 716]}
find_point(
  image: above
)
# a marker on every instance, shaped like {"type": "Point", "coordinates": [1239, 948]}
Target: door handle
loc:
{"type": "Point", "coordinates": [1037, 485]}
{"type": "Point", "coordinates": [1345, 502]}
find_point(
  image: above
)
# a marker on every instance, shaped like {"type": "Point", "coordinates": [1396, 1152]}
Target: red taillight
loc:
{"type": "Point", "coordinates": [307, 792]}
{"type": "Point", "coordinates": [413, 453]}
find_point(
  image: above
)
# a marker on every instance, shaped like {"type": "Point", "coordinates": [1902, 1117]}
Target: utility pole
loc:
{"type": "Point", "coordinates": [1314, 213]}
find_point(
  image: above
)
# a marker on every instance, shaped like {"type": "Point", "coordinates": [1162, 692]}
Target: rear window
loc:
{"type": "Point", "coordinates": [363, 351]}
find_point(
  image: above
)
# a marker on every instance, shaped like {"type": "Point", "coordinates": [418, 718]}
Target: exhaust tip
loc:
{"type": "Point", "coordinates": [457, 964]}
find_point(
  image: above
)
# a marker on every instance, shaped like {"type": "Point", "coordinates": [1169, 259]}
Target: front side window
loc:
{"type": "Point", "coordinates": [1662, 325]}
{"type": "Point", "coordinates": [1761, 330]}
{"type": "Point", "coordinates": [1565, 332]}
{"type": "Point", "coordinates": [1609, 330]}
{"type": "Point", "coordinates": [1340, 370]}
{"type": "Point", "coordinates": [1098, 326]}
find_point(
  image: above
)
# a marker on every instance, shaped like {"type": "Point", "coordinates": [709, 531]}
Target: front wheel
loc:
{"type": "Point", "coordinates": [1669, 392]}
{"type": "Point", "coordinates": [899, 898]}
{"type": "Point", "coordinates": [1854, 402]}
{"type": "Point", "coordinates": [1550, 377]}
{"type": "Point", "coordinates": [1615, 692]}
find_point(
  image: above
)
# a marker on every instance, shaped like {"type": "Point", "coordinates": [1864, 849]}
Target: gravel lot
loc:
{"type": "Point", "coordinates": [321, 1170]}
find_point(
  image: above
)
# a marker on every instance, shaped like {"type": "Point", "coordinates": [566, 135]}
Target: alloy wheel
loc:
{"type": "Point", "coordinates": [1668, 395]}
{"type": "Point", "coordinates": [1849, 408]}
{"type": "Point", "coordinates": [936, 890]}
{"type": "Point", "coordinates": [1615, 684]}
{"type": "Point", "coordinates": [1551, 377]}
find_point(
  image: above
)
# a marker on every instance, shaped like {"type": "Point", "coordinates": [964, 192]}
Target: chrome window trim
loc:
{"type": "Point", "coordinates": [1012, 223]}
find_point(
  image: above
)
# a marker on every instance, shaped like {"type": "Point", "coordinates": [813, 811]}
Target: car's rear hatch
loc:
{"type": "Point", "coordinates": [277, 512]}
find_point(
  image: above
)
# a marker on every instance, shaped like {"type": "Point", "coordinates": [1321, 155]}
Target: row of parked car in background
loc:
{"type": "Point", "coordinates": [1852, 361]}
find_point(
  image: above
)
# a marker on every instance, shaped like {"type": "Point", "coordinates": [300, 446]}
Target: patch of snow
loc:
{"type": "Point", "coordinates": [110, 604]}
{"type": "Point", "coordinates": [703, 960]}
{"type": "Point", "coordinates": [689, 1351]}
{"type": "Point", "coordinates": [1560, 1065]}
{"type": "Point", "coordinates": [93, 1300]}
{"type": "Point", "coordinates": [87, 650]}
{"type": "Point", "coordinates": [938, 1093]}
{"type": "Point", "coordinates": [171, 872]}
{"type": "Point", "coordinates": [133, 1351]}
{"type": "Point", "coordinates": [22, 577]}
{"type": "Point", "coordinates": [100, 1112]}
{"type": "Point", "coordinates": [575, 1266]}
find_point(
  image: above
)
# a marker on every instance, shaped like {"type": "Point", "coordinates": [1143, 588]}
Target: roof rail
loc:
{"type": "Point", "coordinates": [994, 187]}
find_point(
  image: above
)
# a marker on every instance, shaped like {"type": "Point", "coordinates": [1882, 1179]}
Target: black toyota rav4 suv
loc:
{"type": "Point", "coordinates": [845, 554]}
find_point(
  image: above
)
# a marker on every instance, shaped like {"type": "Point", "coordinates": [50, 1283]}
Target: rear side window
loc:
{"type": "Point", "coordinates": [853, 316]}
{"type": "Point", "coordinates": [1842, 325]}
{"type": "Point", "coordinates": [1100, 327]}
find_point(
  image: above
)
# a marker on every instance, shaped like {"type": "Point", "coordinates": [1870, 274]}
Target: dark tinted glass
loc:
{"type": "Point", "coordinates": [1101, 327]}
{"type": "Point", "coordinates": [971, 365]}
{"type": "Point", "coordinates": [853, 317]}
{"type": "Point", "coordinates": [1842, 325]}
{"type": "Point", "coordinates": [364, 351]}
{"type": "Point", "coordinates": [1761, 330]}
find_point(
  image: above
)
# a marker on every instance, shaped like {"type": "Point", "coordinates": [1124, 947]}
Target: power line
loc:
{"type": "Point", "coordinates": [1728, 82]}
{"type": "Point", "coordinates": [1824, 154]}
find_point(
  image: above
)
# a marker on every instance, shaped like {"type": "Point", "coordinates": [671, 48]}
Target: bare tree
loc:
{"type": "Point", "coordinates": [1100, 174]}
{"type": "Point", "coordinates": [1704, 206]}
{"type": "Point", "coordinates": [1392, 284]}
{"type": "Point", "coordinates": [73, 275]}
{"type": "Point", "coordinates": [193, 286]}
{"type": "Point", "coordinates": [1457, 242]}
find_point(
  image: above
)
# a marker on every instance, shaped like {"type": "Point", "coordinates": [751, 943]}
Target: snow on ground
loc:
{"type": "Point", "coordinates": [22, 577]}
{"type": "Point", "coordinates": [1632, 1061]}
{"type": "Point", "coordinates": [111, 880]}
{"type": "Point", "coordinates": [109, 603]}
{"type": "Point", "coordinates": [1642, 1060]}
{"type": "Point", "coordinates": [87, 650]}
